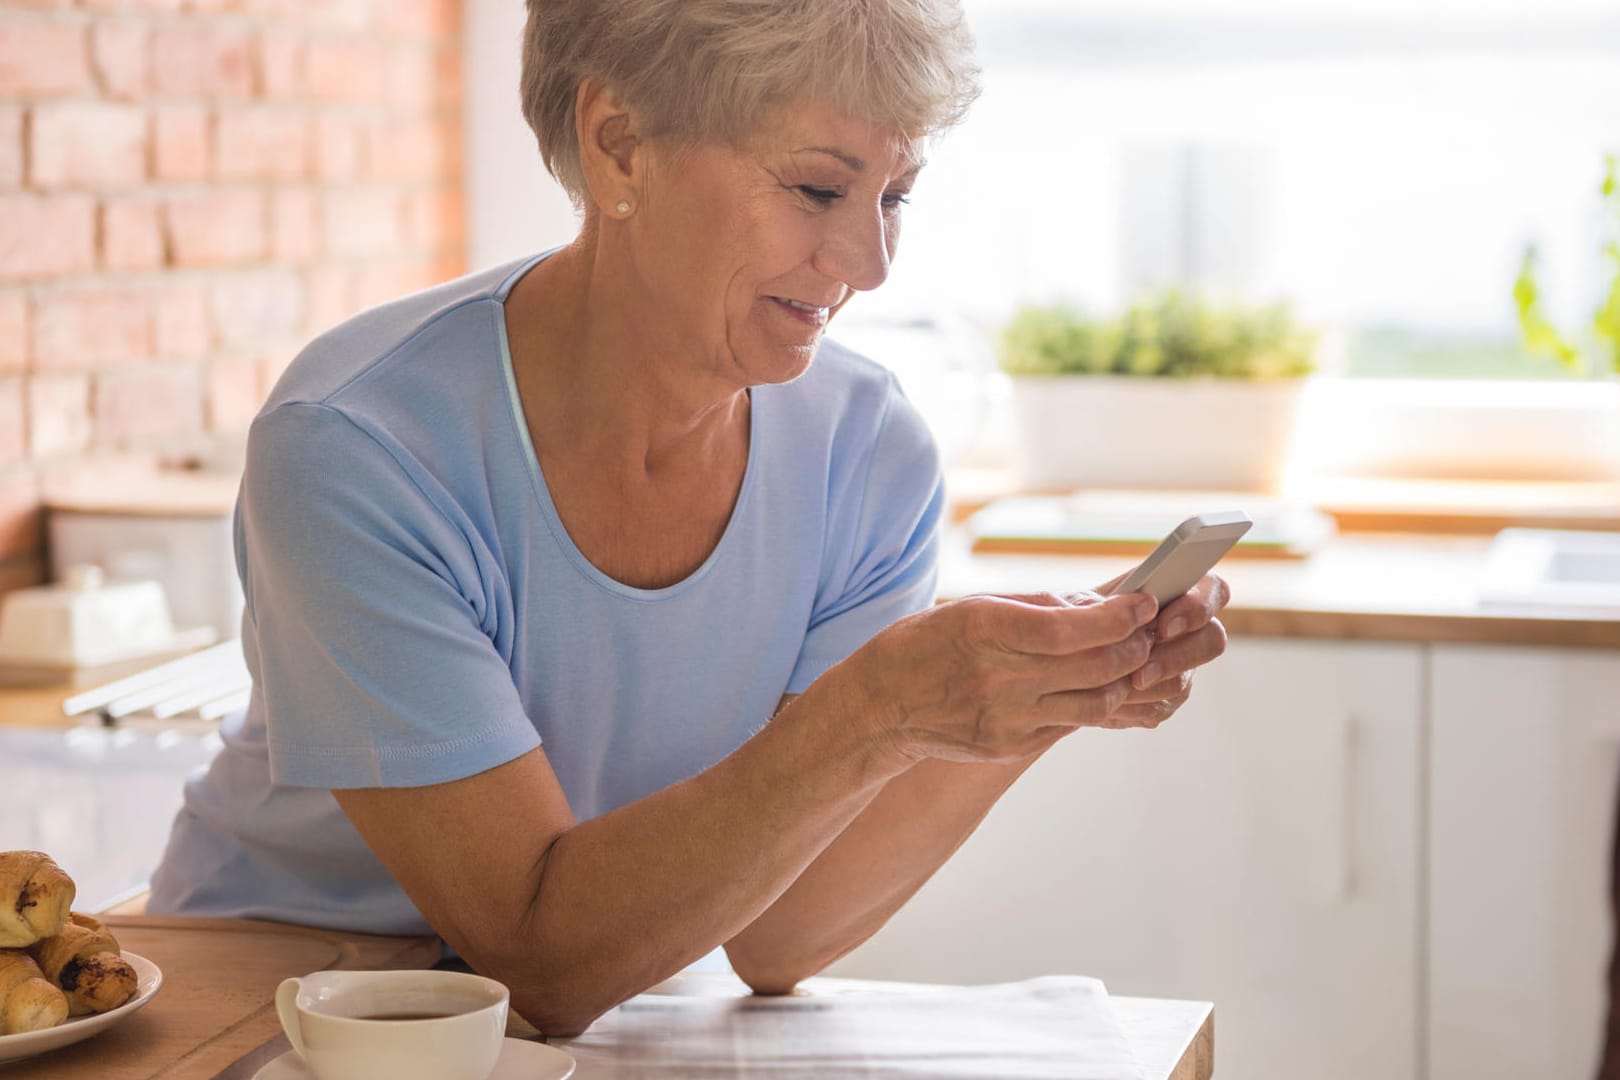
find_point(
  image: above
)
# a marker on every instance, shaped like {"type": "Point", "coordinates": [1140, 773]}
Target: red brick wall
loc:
{"type": "Point", "coordinates": [189, 189]}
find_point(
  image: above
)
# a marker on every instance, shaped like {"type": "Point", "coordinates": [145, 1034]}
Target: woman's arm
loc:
{"type": "Point", "coordinates": [578, 917]}
{"type": "Point", "coordinates": [922, 816]}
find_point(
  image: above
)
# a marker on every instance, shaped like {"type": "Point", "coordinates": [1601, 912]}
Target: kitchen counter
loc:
{"type": "Point", "coordinates": [215, 1015]}
{"type": "Point", "coordinates": [1369, 586]}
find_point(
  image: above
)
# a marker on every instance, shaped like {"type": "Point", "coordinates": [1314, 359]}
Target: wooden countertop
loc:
{"type": "Point", "coordinates": [217, 1000]}
{"type": "Point", "coordinates": [1367, 586]}
{"type": "Point", "coordinates": [215, 1014]}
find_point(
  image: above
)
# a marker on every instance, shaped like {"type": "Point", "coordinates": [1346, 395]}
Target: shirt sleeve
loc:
{"type": "Point", "coordinates": [369, 615]}
{"type": "Point", "coordinates": [882, 542]}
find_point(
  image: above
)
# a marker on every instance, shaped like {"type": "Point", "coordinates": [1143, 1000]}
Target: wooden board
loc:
{"type": "Point", "coordinates": [217, 1000]}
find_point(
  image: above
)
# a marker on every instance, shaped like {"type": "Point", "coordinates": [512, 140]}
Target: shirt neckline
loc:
{"type": "Point", "coordinates": [537, 477]}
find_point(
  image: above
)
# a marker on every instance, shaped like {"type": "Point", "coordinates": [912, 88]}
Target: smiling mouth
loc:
{"type": "Point", "coordinates": [809, 313]}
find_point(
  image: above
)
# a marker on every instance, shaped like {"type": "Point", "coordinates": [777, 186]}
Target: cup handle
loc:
{"type": "Point", "coordinates": [287, 1010]}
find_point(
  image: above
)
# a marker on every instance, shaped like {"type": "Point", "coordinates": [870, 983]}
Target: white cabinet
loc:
{"type": "Point", "coordinates": [1525, 756]}
{"type": "Point", "coordinates": [1260, 850]}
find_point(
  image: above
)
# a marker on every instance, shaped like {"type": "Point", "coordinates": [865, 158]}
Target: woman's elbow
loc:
{"type": "Point", "coordinates": [772, 985]}
{"type": "Point", "coordinates": [768, 980]}
{"type": "Point", "coordinates": [555, 1018]}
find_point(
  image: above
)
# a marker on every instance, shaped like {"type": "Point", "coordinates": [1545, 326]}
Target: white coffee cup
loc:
{"type": "Point", "coordinates": [405, 1025]}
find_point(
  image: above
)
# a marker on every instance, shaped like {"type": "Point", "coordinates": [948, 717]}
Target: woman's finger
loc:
{"type": "Point", "coordinates": [1193, 609]}
{"type": "Point", "coordinates": [1166, 688]}
{"type": "Point", "coordinates": [1171, 658]}
{"type": "Point", "coordinates": [1007, 625]}
{"type": "Point", "coordinates": [1149, 714]}
{"type": "Point", "coordinates": [1091, 668]}
{"type": "Point", "coordinates": [1084, 708]}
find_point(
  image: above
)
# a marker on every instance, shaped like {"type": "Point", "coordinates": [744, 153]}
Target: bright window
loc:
{"type": "Point", "coordinates": [1381, 166]}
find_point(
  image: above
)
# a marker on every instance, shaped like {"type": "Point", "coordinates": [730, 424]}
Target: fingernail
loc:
{"type": "Point", "coordinates": [1173, 628]}
{"type": "Point", "coordinates": [1147, 675]}
{"type": "Point", "coordinates": [1144, 607]}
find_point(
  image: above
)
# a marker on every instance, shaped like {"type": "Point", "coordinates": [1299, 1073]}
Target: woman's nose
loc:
{"type": "Point", "coordinates": [858, 249]}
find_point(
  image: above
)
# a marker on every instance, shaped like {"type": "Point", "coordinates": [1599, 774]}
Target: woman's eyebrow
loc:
{"type": "Point", "coordinates": [857, 164]}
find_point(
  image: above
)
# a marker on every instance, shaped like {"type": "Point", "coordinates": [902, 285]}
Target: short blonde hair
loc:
{"type": "Point", "coordinates": [712, 69]}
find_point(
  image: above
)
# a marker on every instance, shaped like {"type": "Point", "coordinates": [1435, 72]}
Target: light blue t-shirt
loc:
{"type": "Point", "coordinates": [416, 612]}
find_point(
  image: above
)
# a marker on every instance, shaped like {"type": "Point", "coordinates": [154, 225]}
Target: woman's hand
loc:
{"type": "Point", "coordinates": [1000, 678]}
{"type": "Point", "coordinates": [1187, 635]}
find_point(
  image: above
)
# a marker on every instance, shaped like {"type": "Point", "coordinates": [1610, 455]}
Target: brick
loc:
{"type": "Point", "coordinates": [360, 223]}
{"type": "Point", "coordinates": [11, 146]}
{"type": "Point", "coordinates": [131, 235]}
{"type": "Point", "coordinates": [282, 63]}
{"type": "Point", "coordinates": [215, 228]}
{"type": "Point", "coordinates": [45, 236]}
{"type": "Point", "coordinates": [118, 54]}
{"type": "Point", "coordinates": [293, 236]}
{"type": "Point", "coordinates": [125, 6]}
{"type": "Point", "coordinates": [180, 142]}
{"type": "Point", "coordinates": [83, 144]}
{"type": "Point", "coordinates": [134, 407]}
{"type": "Point", "coordinates": [13, 421]}
{"type": "Point", "coordinates": [42, 59]}
{"type": "Point", "coordinates": [181, 327]}
{"type": "Point", "coordinates": [413, 80]}
{"type": "Point", "coordinates": [451, 79]}
{"type": "Point", "coordinates": [325, 14]}
{"type": "Point", "coordinates": [256, 305]}
{"type": "Point", "coordinates": [423, 20]}
{"type": "Point", "coordinates": [271, 368]}
{"type": "Point", "coordinates": [89, 328]}
{"type": "Point", "coordinates": [201, 60]}
{"type": "Point", "coordinates": [22, 521]}
{"type": "Point", "coordinates": [346, 70]}
{"type": "Point", "coordinates": [329, 292]}
{"type": "Point", "coordinates": [336, 148]}
{"type": "Point", "coordinates": [382, 282]}
{"type": "Point", "coordinates": [13, 331]}
{"type": "Point", "coordinates": [234, 395]}
{"type": "Point", "coordinates": [407, 151]}
{"type": "Point", "coordinates": [59, 415]}
{"type": "Point", "coordinates": [437, 220]}
{"type": "Point", "coordinates": [261, 144]}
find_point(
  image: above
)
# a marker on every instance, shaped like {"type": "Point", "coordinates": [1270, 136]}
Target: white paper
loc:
{"type": "Point", "coordinates": [1042, 1029]}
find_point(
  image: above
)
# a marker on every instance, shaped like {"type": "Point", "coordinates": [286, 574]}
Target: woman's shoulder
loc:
{"type": "Point", "coordinates": [852, 395]}
{"type": "Point", "coordinates": [446, 322]}
{"type": "Point", "coordinates": [842, 385]}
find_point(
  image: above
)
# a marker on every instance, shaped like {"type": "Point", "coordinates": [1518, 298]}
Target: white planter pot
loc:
{"type": "Point", "coordinates": [1112, 431]}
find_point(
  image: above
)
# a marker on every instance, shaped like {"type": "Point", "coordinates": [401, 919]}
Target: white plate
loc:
{"type": "Point", "coordinates": [76, 1028]}
{"type": "Point", "coordinates": [519, 1060]}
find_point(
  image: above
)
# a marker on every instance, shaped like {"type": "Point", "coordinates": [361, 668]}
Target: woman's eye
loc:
{"type": "Point", "coordinates": [893, 199]}
{"type": "Point", "coordinates": [820, 195]}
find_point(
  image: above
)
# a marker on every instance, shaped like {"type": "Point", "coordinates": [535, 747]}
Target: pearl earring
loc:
{"type": "Point", "coordinates": [624, 206]}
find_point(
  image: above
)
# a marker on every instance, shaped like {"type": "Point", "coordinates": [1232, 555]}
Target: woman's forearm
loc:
{"type": "Point", "coordinates": [875, 865]}
{"type": "Point", "coordinates": [627, 899]}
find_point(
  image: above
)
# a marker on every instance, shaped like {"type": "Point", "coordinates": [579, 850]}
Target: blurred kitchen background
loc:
{"type": "Point", "coordinates": [1377, 838]}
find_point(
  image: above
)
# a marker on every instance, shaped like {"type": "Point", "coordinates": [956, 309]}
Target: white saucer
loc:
{"type": "Point", "coordinates": [519, 1060]}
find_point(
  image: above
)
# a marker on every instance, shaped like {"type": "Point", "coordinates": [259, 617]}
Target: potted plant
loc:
{"type": "Point", "coordinates": [1176, 392]}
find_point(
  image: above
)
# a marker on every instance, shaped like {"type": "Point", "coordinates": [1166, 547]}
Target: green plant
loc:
{"type": "Point", "coordinates": [1168, 336]}
{"type": "Point", "coordinates": [1540, 336]}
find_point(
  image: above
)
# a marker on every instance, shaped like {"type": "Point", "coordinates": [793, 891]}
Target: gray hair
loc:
{"type": "Point", "coordinates": [712, 69]}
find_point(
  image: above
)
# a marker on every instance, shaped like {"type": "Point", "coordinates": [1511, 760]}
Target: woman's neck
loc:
{"type": "Point", "coordinates": [596, 375]}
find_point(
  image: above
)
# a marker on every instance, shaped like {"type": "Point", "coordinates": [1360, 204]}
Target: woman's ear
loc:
{"type": "Point", "coordinates": [611, 151]}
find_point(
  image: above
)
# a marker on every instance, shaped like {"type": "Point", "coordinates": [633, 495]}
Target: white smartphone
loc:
{"type": "Point", "coordinates": [1185, 556]}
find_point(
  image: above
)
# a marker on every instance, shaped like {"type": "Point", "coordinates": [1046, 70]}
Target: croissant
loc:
{"type": "Point", "coordinates": [84, 960]}
{"type": "Point", "coordinates": [27, 1001]}
{"type": "Point", "coordinates": [35, 897]}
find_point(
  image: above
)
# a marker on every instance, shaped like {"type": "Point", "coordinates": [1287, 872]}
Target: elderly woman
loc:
{"type": "Point", "coordinates": [589, 598]}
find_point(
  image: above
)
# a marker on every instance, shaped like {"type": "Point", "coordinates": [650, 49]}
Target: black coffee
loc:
{"type": "Point", "coordinates": [406, 1016]}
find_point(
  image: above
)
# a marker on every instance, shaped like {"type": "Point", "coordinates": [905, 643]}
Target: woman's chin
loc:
{"type": "Point", "coordinates": [781, 362]}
